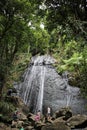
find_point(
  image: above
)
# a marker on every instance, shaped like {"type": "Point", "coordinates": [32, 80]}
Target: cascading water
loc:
{"type": "Point", "coordinates": [42, 86]}
{"type": "Point", "coordinates": [28, 83]}
{"type": "Point", "coordinates": [31, 90]}
{"type": "Point", "coordinates": [69, 95]}
{"type": "Point", "coordinates": [41, 90]}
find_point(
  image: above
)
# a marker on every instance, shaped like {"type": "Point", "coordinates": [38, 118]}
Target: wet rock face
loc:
{"type": "Point", "coordinates": [42, 86]}
{"type": "Point", "coordinates": [58, 94]}
{"type": "Point", "coordinates": [54, 89]}
{"type": "Point", "coordinates": [42, 60]}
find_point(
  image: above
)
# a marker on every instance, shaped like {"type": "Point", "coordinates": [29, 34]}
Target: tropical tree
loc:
{"type": "Point", "coordinates": [14, 31]}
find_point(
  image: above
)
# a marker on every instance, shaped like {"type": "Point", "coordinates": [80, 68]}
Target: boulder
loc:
{"type": "Point", "coordinates": [32, 119]}
{"type": "Point", "coordinates": [5, 127]}
{"type": "Point", "coordinates": [27, 123]}
{"type": "Point", "coordinates": [59, 126]}
{"type": "Point", "coordinates": [49, 127]}
{"type": "Point", "coordinates": [19, 123]}
{"type": "Point", "coordinates": [14, 124]}
{"type": "Point", "coordinates": [77, 121]}
{"type": "Point", "coordinates": [39, 125]}
{"type": "Point", "coordinates": [29, 115]}
{"type": "Point", "coordinates": [57, 120]}
{"type": "Point", "coordinates": [9, 128]}
{"type": "Point", "coordinates": [2, 126]}
{"type": "Point", "coordinates": [29, 128]}
{"type": "Point", "coordinates": [49, 121]}
{"type": "Point", "coordinates": [23, 117]}
{"type": "Point", "coordinates": [66, 111]}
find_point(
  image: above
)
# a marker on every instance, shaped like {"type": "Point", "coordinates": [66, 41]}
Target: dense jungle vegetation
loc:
{"type": "Point", "coordinates": [55, 27]}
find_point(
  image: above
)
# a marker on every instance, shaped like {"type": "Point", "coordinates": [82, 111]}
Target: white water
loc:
{"type": "Point", "coordinates": [41, 90]}
{"type": "Point", "coordinates": [30, 79]}
{"type": "Point", "coordinates": [68, 96]}
{"type": "Point", "coordinates": [29, 82]}
{"type": "Point", "coordinates": [27, 97]}
{"type": "Point", "coordinates": [68, 100]}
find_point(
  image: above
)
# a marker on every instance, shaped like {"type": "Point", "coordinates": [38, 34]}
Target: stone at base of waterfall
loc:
{"type": "Point", "coordinates": [13, 129]}
{"type": "Point", "coordinates": [58, 120]}
{"type": "Point", "coordinates": [77, 120]}
{"type": "Point", "coordinates": [29, 128]}
{"type": "Point", "coordinates": [38, 125]}
{"type": "Point", "coordinates": [5, 127]}
{"type": "Point", "coordinates": [66, 111]}
{"type": "Point", "coordinates": [32, 119]}
{"type": "Point", "coordinates": [17, 124]}
{"type": "Point", "coordinates": [14, 124]}
{"type": "Point", "coordinates": [8, 128]}
{"type": "Point", "coordinates": [49, 121]}
{"type": "Point", "coordinates": [2, 126]}
{"type": "Point", "coordinates": [29, 115]}
{"type": "Point", "coordinates": [27, 123]}
{"type": "Point", "coordinates": [23, 117]}
{"type": "Point", "coordinates": [58, 126]}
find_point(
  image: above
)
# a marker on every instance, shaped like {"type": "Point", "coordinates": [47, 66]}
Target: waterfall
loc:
{"type": "Point", "coordinates": [32, 88]}
{"type": "Point", "coordinates": [68, 100]}
{"type": "Point", "coordinates": [29, 83]}
{"type": "Point", "coordinates": [43, 87]}
{"type": "Point", "coordinates": [68, 94]}
{"type": "Point", "coordinates": [41, 90]}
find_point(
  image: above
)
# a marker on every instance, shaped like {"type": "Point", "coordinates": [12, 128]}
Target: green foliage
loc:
{"type": "Point", "coordinates": [14, 30]}
{"type": "Point", "coordinates": [17, 68]}
{"type": "Point", "coordinates": [59, 11]}
{"type": "Point", "coordinates": [40, 41]}
{"type": "Point", "coordinates": [6, 108]}
{"type": "Point", "coordinates": [71, 55]}
{"type": "Point", "coordinates": [72, 62]}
